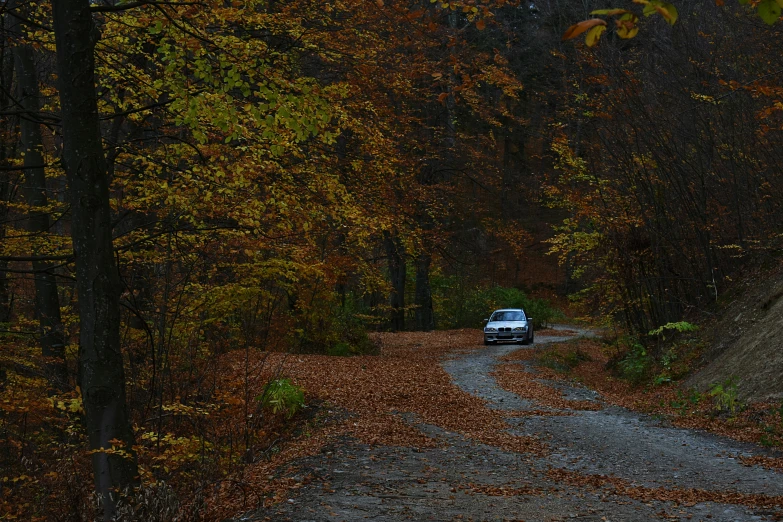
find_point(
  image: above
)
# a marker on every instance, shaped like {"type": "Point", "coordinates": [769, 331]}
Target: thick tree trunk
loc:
{"type": "Point", "coordinates": [425, 317]}
{"type": "Point", "coordinates": [47, 302]}
{"type": "Point", "coordinates": [101, 373]}
{"type": "Point", "coordinates": [395, 253]}
{"type": "Point", "coordinates": [6, 151]}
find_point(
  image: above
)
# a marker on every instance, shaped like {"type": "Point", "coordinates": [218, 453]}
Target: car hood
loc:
{"type": "Point", "coordinates": [505, 324]}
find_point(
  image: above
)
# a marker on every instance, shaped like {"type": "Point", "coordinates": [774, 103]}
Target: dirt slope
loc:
{"type": "Point", "coordinates": [747, 342]}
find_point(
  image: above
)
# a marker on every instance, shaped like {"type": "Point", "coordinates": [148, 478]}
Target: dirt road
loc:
{"type": "Point", "coordinates": [603, 465]}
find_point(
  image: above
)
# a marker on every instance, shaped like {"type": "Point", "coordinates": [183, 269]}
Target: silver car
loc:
{"type": "Point", "coordinates": [508, 324]}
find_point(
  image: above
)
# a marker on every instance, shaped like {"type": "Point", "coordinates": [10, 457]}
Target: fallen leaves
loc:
{"type": "Point", "coordinates": [384, 395]}
{"type": "Point", "coordinates": [513, 377]}
{"type": "Point", "coordinates": [747, 426]}
{"type": "Point", "coordinates": [690, 496]}
{"type": "Point", "coordinates": [503, 491]}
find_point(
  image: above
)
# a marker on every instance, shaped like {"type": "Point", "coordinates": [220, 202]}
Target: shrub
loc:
{"type": "Point", "coordinates": [686, 401]}
{"type": "Point", "coordinates": [282, 396]}
{"type": "Point", "coordinates": [635, 365]}
{"type": "Point", "coordinates": [724, 396]}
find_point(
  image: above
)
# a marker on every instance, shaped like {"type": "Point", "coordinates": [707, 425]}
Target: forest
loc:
{"type": "Point", "coordinates": [190, 190]}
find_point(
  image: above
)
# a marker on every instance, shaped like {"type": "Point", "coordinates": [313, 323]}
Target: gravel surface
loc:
{"type": "Point", "coordinates": [465, 480]}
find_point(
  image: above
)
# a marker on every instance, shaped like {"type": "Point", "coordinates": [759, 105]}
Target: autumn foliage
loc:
{"type": "Point", "coordinates": [260, 156]}
{"type": "Point", "coordinates": [284, 177]}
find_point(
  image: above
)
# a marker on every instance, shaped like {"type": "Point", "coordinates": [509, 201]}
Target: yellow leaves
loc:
{"type": "Point", "coordinates": [665, 9]}
{"type": "Point", "coordinates": [19, 478]}
{"type": "Point", "coordinates": [592, 36]}
{"type": "Point", "coordinates": [185, 410]}
{"type": "Point", "coordinates": [609, 12]}
{"type": "Point", "coordinates": [68, 404]}
{"type": "Point", "coordinates": [626, 25]}
{"type": "Point", "coordinates": [117, 448]}
{"type": "Point", "coordinates": [704, 98]}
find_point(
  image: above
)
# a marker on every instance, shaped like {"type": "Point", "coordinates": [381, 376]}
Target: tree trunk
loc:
{"type": "Point", "coordinates": [6, 151]}
{"type": "Point", "coordinates": [395, 253]}
{"type": "Point", "coordinates": [101, 373]}
{"type": "Point", "coordinates": [425, 317]}
{"type": "Point", "coordinates": [47, 302]}
{"type": "Point", "coordinates": [6, 301]}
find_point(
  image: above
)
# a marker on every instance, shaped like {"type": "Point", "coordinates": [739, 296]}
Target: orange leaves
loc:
{"type": "Point", "coordinates": [577, 29]}
{"type": "Point", "coordinates": [480, 25]}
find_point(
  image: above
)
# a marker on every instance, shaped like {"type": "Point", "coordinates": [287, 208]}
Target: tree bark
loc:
{"type": "Point", "coordinates": [47, 302]}
{"type": "Point", "coordinates": [425, 317]}
{"type": "Point", "coordinates": [101, 373]}
{"type": "Point", "coordinates": [395, 252]}
{"type": "Point", "coordinates": [6, 151]}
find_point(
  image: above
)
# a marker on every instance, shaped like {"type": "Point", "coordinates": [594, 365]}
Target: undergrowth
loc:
{"type": "Point", "coordinates": [457, 304]}
{"type": "Point", "coordinates": [562, 361]}
{"type": "Point", "coordinates": [281, 396]}
{"type": "Point", "coordinates": [666, 354]}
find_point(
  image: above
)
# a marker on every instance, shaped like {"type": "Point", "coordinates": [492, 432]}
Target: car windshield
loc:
{"type": "Point", "coordinates": [508, 316]}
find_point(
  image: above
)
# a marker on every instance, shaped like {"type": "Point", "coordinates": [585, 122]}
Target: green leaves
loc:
{"type": "Point", "coordinates": [282, 396]}
{"type": "Point", "coordinates": [770, 10]}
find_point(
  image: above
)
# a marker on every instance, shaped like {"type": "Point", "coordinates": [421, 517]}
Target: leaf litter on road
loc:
{"type": "Point", "coordinates": [387, 395]}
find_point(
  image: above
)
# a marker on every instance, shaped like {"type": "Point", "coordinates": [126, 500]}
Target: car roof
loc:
{"type": "Point", "coordinates": [509, 310]}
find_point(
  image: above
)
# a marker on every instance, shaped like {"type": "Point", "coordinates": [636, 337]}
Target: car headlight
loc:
{"type": "Point", "coordinates": [490, 329]}
{"type": "Point", "coordinates": [520, 328]}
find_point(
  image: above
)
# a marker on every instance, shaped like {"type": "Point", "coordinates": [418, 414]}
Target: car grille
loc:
{"type": "Point", "coordinates": [504, 329]}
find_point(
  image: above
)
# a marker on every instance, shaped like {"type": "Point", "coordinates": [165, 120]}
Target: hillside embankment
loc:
{"type": "Point", "coordinates": [746, 341]}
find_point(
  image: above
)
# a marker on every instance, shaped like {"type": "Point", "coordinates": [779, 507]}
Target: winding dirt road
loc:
{"type": "Point", "coordinates": [605, 465]}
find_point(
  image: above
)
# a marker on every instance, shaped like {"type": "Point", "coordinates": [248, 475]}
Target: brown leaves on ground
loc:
{"type": "Point", "coordinates": [689, 496]}
{"type": "Point", "coordinates": [764, 462]}
{"type": "Point", "coordinates": [406, 377]}
{"type": "Point", "coordinates": [513, 377]}
{"type": "Point", "coordinates": [503, 491]}
{"type": "Point", "coordinates": [592, 371]}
